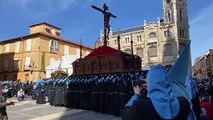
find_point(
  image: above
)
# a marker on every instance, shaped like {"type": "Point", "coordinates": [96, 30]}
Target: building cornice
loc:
{"type": "Point", "coordinates": [45, 35]}
{"type": "Point", "coordinates": [45, 23]}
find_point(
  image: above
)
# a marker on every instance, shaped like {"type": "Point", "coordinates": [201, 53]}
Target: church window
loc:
{"type": "Point", "coordinates": [152, 35]}
{"type": "Point", "coordinates": [139, 52]}
{"type": "Point", "coordinates": [169, 16]}
{"type": "Point", "coordinates": [181, 48]}
{"type": "Point", "coordinates": [115, 42]}
{"type": "Point", "coordinates": [139, 38]}
{"type": "Point", "coordinates": [152, 38]}
{"type": "Point", "coordinates": [181, 16]}
{"type": "Point", "coordinates": [168, 50]}
{"type": "Point", "coordinates": [153, 51]}
{"type": "Point", "coordinates": [167, 33]}
{"type": "Point", "coordinates": [127, 40]}
{"type": "Point", "coordinates": [182, 33]}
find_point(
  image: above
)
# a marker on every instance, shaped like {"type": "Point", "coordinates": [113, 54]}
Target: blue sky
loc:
{"type": "Point", "coordinates": [79, 21]}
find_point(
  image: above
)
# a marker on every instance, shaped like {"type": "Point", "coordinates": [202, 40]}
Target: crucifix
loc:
{"type": "Point", "coordinates": [107, 16]}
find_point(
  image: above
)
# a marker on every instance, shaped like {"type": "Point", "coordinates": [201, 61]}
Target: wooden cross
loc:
{"type": "Point", "coordinates": [107, 16]}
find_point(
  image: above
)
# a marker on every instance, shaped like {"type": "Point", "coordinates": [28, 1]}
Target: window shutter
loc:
{"type": "Point", "coordinates": [28, 47]}
{"type": "Point", "coordinates": [7, 47]}
{"type": "Point", "coordinates": [1, 49]}
{"type": "Point", "coordinates": [43, 61]}
{"type": "Point", "coordinates": [17, 47]}
{"type": "Point", "coordinates": [78, 52]}
{"type": "Point", "coordinates": [56, 45]}
{"type": "Point", "coordinates": [27, 62]}
{"type": "Point", "coordinates": [15, 64]}
{"type": "Point", "coordinates": [66, 50]}
{"type": "Point", "coordinates": [50, 44]}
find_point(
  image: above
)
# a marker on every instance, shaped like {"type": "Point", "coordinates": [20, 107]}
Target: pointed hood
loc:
{"type": "Point", "coordinates": [160, 93]}
{"type": "Point", "coordinates": [178, 73]}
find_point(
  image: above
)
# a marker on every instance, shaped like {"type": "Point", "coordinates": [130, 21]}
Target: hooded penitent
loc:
{"type": "Point", "coordinates": [163, 87]}
{"type": "Point", "coordinates": [160, 93]}
{"type": "Point", "coordinates": [178, 74]}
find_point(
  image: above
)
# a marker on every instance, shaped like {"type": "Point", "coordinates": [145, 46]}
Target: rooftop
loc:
{"type": "Point", "coordinates": [128, 30]}
{"type": "Point", "coordinates": [45, 23]}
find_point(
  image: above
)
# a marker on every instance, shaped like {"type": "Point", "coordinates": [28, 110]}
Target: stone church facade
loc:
{"type": "Point", "coordinates": [156, 42]}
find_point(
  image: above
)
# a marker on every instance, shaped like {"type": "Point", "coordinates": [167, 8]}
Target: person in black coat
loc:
{"type": "Point", "coordinates": [40, 99]}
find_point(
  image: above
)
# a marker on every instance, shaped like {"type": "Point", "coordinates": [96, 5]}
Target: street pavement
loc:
{"type": "Point", "coordinates": [29, 110]}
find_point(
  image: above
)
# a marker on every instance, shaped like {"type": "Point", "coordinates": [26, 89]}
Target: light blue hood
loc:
{"type": "Point", "coordinates": [160, 93]}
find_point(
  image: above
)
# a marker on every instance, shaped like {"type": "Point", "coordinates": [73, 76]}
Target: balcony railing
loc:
{"type": "Point", "coordinates": [53, 49]}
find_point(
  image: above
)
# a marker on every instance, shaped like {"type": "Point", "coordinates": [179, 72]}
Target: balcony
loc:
{"type": "Point", "coordinates": [53, 49]}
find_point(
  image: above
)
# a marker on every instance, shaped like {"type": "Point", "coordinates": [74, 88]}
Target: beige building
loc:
{"type": "Point", "coordinates": [202, 68]}
{"type": "Point", "coordinates": [26, 57]}
{"type": "Point", "coordinates": [157, 42]}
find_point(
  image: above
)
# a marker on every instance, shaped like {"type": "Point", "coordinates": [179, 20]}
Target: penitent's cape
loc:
{"type": "Point", "coordinates": [160, 93]}
{"type": "Point", "coordinates": [165, 87]}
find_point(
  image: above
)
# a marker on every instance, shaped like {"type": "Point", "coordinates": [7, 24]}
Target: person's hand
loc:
{"type": "Point", "coordinates": [9, 102]}
{"type": "Point", "coordinates": [137, 90]}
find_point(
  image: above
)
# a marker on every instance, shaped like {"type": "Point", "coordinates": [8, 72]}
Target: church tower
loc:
{"type": "Point", "coordinates": [176, 14]}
